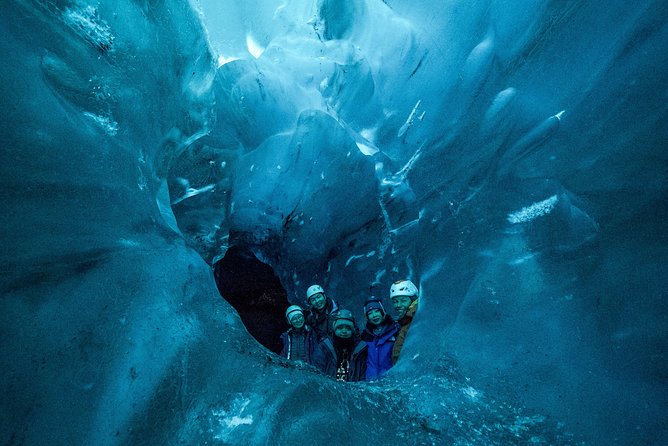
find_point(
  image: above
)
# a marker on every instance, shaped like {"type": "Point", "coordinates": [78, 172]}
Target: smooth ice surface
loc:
{"type": "Point", "coordinates": [508, 157]}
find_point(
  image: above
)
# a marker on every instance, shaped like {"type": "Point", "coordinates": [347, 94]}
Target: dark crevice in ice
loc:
{"type": "Point", "coordinates": [253, 289]}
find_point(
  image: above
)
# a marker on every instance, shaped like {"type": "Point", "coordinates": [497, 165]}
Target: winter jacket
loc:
{"type": "Point", "coordinates": [323, 322]}
{"type": "Point", "coordinates": [299, 344]}
{"type": "Point", "coordinates": [379, 347]}
{"type": "Point", "coordinates": [328, 362]}
{"type": "Point", "coordinates": [405, 323]}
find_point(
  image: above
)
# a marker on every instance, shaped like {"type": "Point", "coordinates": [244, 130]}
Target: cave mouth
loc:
{"type": "Point", "coordinates": [254, 290]}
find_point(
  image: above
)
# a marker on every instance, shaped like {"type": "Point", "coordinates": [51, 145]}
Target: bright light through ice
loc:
{"type": "Point", "coordinates": [253, 48]}
{"type": "Point", "coordinates": [222, 60]}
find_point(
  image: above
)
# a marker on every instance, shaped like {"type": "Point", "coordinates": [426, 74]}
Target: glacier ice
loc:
{"type": "Point", "coordinates": [350, 144]}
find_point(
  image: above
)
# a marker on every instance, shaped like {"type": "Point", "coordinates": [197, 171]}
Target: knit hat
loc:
{"type": "Point", "coordinates": [292, 311]}
{"type": "Point", "coordinates": [344, 317]}
{"type": "Point", "coordinates": [374, 304]}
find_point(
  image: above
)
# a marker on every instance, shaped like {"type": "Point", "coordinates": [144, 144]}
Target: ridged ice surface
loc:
{"type": "Point", "coordinates": [508, 157]}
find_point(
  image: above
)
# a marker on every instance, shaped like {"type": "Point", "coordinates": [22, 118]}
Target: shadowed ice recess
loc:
{"type": "Point", "coordinates": [507, 157]}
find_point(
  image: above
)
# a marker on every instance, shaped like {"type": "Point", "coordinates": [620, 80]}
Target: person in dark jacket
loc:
{"type": "Point", "coordinates": [321, 314]}
{"type": "Point", "coordinates": [343, 355]}
{"type": "Point", "coordinates": [404, 295]}
{"type": "Point", "coordinates": [379, 336]}
{"type": "Point", "coordinates": [300, 341]}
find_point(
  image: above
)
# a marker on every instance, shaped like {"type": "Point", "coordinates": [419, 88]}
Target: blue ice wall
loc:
{"type": "Point", "coordinates": [509, 157]}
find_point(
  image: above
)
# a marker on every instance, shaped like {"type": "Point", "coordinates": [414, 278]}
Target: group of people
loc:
{"type": "Point", "coordinates": [326, 336]}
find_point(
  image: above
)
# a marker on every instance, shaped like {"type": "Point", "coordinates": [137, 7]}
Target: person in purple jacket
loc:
{"type": "Point", "coordinates": [379, 336]}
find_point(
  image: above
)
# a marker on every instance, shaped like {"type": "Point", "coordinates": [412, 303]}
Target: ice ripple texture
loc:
{"type": "Point", "coordinates": [509, 158]}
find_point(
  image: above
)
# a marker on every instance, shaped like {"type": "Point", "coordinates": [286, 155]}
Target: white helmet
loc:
{"type": "Point", "coordinates": [313, 289]}
{"type": "Point", "coordinates": [292, 309]}
{"type": "Point", "coordinates": [404, 288]}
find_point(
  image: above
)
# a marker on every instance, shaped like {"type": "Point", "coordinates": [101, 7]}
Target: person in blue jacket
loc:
{"type": "Point", "coordinates": [300, 341]}
{"type": "Point", "coordinates": [379, 335]}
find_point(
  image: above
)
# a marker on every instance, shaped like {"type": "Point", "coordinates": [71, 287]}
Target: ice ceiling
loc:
{"type": "Point", "coordinates": [510, 157]}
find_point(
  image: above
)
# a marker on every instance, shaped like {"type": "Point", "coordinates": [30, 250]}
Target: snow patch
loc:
{"type": "Point", "coordinates": [86, 22]}
{"type": "Point", "coordinates": [471, 393]}
{"type": "Point", "coordinates": [536, 210]}
{"type": "Point", "coordinates": [522, 259]}
{"type": "Point", "coordinates": [359, 256]}
{"type": "Point", "coordinates": [108, 125]}
{"type": "Point", "coordinates": [230, 419]}
{"type": "Point", "coordinates": [191, 192]}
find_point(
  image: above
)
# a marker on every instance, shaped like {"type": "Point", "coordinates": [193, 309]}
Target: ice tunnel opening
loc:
{"type": "Point", "coordinates": [256, 293]}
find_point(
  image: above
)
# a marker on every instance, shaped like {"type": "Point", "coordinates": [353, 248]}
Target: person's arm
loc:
{"type": "Point", "coordinates": [286, 345]}
{"type": "Point", "coordinates": [360, 362]}
{"type": "Point", "coordinates": [319, 359]}
{"type": "Point", "coordinates": [324, 360]}
{"type": "Point", "coordinates": [312, 344]}
{"type": "Point", "coordinates": [398, 344]}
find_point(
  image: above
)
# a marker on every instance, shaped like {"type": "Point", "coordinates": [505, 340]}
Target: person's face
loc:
{"type": "Point", "coordinates": [344, 331]}
{"type": "Point", "coordinates": [318, 301]}
{"type": "Point", "coordinates": [401, 304]}
{"type": "Point", "coordinates": [375, 316]}
{"type": "Point", "coordinates": [297, 321]}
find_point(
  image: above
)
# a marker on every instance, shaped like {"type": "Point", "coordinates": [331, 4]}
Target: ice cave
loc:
{"type": "Point", "coordinates": [175, 173]}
